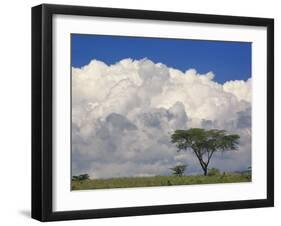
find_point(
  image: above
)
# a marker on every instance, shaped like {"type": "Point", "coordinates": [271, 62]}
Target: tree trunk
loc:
{"type": "Point", "coordinates": [205, 171]}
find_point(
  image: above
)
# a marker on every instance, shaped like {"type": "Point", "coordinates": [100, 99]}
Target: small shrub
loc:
{"type": "Point", "coordinates": [178, 170]}
{"type": "Point", "coordinates": [213, 172]}
{"type": "Point", "coordinates": [74, 178]}
{"type": "Point", "coordinates": [81, 177]}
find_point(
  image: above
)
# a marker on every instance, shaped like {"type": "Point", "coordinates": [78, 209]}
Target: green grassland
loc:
{"type": "Point", "coordinates": [128, 182]}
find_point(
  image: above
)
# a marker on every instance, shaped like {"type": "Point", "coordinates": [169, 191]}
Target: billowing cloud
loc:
{"type": "Point", "coordinates": [124, 114]}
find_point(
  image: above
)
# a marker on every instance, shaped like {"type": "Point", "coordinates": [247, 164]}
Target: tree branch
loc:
{"type": "Point", "coordinates": [210, 156]}
{"type": "Point", "coordinates": [202, 163]}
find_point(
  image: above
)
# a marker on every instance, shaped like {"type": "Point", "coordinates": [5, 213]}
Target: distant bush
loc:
{"type": "Point", "coordinates": [178, 170]}
{"type": "Point", "coordinates": [81, 177]}
{"type": "Point", "coordinates": [213, 172]}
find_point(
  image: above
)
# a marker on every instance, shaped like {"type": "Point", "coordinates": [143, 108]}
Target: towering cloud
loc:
{"type": "Point", "coordinates": [123, 116]}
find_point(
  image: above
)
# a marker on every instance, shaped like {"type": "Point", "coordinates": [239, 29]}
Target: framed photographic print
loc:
{"type": "Point", "coordinates": [145, 112]}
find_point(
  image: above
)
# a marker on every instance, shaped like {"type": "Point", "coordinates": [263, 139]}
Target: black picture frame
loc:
{"type": "Point", "coordinates": [42, 107]}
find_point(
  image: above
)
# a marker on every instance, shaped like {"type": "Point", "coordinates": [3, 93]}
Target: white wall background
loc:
{"type": "Point", "coordinates": [15, 147]}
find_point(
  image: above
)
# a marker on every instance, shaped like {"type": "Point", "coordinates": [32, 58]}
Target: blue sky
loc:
{"type": "Point", "coordinates": [227, 60]}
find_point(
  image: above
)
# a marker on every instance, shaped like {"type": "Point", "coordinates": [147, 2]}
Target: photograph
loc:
{"type": "Point", "coordinates": [150, 111]}
{"type": "Point", "coordinates": [140, 112]}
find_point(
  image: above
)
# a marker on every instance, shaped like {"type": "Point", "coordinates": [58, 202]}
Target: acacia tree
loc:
{"type": "Point", "coordinates": [204, 143]}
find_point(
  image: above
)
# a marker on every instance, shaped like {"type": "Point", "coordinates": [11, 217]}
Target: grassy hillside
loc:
{"type": "Point", "coordinates": [127, 182]}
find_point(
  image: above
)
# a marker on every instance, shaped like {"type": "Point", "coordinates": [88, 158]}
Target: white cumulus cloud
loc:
{"type": "Point", "coordinates": [124, 114]}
